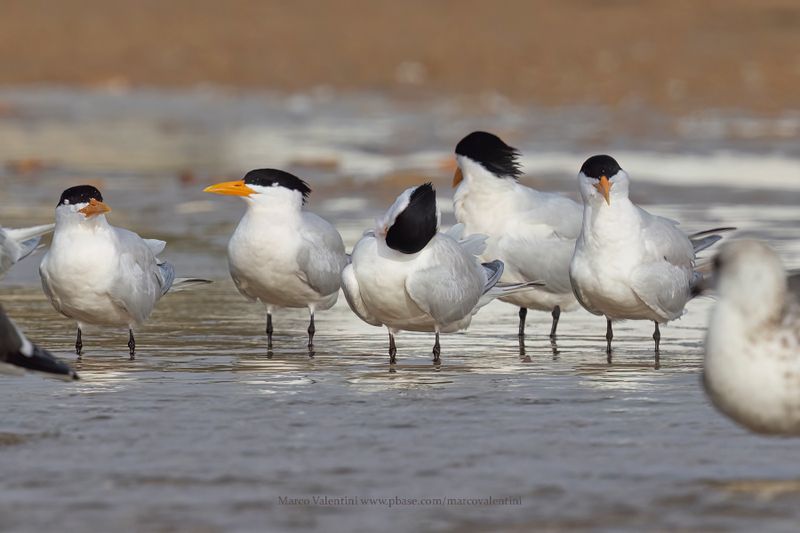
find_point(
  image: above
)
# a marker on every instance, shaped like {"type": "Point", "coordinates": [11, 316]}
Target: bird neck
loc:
{"type": "Point", "coordinates": [601, 220]}
{"type": "Point", "coordinates": [481, 195]}
{"type": "Point", "coordinates": [73, 222]}
{"type": "Point", "coordinates": [283, 206]}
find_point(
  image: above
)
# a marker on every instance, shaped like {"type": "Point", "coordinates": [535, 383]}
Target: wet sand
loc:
{"type": "Point", "coordinates": [679, 56]}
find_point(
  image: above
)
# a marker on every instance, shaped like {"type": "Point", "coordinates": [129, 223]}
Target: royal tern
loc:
{"type": "Point", "coordinates": [752, 348]}
{"type": "Point", "coordinates": [16, 351]}
{"type": "Point", "coordinates": [280, 254]}
{"type": "Point", "coordinates": [99, 274]}
{"type": "Point", "coordinates": [629, 264]}
{"type": "Point", "coordinates": [532, 232]}
{"type": "Point", "coordinates": [16, 244]}
{"type": "Point", "coordinates": [405, 275]}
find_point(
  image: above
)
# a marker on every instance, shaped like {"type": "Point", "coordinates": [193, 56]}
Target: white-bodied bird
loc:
{"type": "Point", "coordinates": [15, 244]}
{"type": "Point", "coordinates": [95, 273]}
{"type": "Point", "coordinates": [752, 348]}
{"type": "Point", "coordinates": [629, 264]}
{"type": "Point", "coordinates": [405, 275]}
{"type": "Point", "coordinates": [17, 352]}
{"type": "Point", "coordinates": [532, 232]}
{"type": "Point", "coordinates": [280, 254]}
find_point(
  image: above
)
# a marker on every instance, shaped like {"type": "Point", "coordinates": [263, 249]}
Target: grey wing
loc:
{"type": "Point", "coordinates": [449, 282]}
{"type": "Point", "coordinates": [7, 252]}
{"type": "Point", "coordinates": [494, 271]}
{"type": "Point", "coordinates": [705, 239]}
{"type": "Point", "coordinates": [321, 257]}
{"type": "Point", "coordinates": [142, 279]}
{"type": "Point", "coordinates": [664, 241]}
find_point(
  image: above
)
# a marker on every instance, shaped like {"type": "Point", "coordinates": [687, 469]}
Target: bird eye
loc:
{"type": "Point", "coordinates": [717, 262]}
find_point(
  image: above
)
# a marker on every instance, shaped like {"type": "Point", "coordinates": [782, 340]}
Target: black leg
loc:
{"type": "Point", "coordinates": [609, 337]}
{"type": "Point", "coordinates": [523, 313]}
{"type": "Point", "coordinates": [437, 350]}
{"type": "Point", "coordinates": [556, 315]}
{"type": "Point", "coordinates": [78, 343]}
{"type": "Point", "coordinates": [269, 331]}
{"type": "Point", "coordinates": [392, 349]}
{"type": "Point", "coordinates": [657, 339]}
{"type": "Point", "coordinates": [311, 331]}
{"type": "Point", "coordinates": [131, 343]}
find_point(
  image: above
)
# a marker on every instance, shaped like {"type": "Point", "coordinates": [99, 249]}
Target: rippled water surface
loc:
{"type": "Point", "coordinates": [204, 431]}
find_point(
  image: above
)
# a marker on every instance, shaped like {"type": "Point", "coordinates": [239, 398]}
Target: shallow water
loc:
{"type": "Point", "coordinates": [204, 431]}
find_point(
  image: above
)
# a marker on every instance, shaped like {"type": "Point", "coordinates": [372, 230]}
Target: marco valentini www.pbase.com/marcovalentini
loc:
{"type": "Point", "coordinates": [395, 501]}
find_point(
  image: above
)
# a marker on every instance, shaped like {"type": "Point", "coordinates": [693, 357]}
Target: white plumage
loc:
{"type": "Point", "coordinates": [628, 263]}
{"type": "Point", "coordinates": [752, 348]}
{"type": "Point", "coordinates": [16, 244]}
{"type": "Point", "coordinates": [280, 254]}
{"type": "Point", "coordinates": [532, 232]}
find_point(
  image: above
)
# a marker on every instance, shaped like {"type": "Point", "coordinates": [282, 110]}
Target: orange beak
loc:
{"type": "Point", "coordinates": [231, 188]}
{"type": "Point", "coordinates": [458, 177]}
{"type": "Point", "coordinates": [94, 208]}
{"type": "Point", "coordinates": [604, 187]}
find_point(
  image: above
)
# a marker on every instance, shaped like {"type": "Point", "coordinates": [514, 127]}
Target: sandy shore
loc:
{"type": "Point", "coordinates": [678, 56]}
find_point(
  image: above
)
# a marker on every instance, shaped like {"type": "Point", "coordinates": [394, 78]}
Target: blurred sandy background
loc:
{"type": "Point", "coordinates": [671, 55]}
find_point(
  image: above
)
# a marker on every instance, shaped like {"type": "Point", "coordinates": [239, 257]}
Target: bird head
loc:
{"type": "Point", "coordinates": [482, 154]}
{"type": "Point", "coordinates": [81, 203]}
{"type": "Point", "coordinates": [749, 275]}
{"type": "Point", "coordinates": [601, 180]}
{"type": "Point", "coordinates": [267, 186]}
{"type": "Point", "coordinates": [412, 221]}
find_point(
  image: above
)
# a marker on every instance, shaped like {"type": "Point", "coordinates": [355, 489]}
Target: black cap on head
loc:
{"type": "Point", "coordinates": [491, 152]}
{"type": "Point", "coordinates": [272, 177]}
{"type": "Point", "coordinates": [600, 165]}
{"type": "Point", "coordinates": [416, 225]}
{"type": "Point", "coordinates": [80, 194]}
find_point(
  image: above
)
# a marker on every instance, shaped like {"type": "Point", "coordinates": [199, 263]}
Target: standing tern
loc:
{"type": "Point", "coordinates": [532, 232]}
{"type": "Point", "coordinates": [405, 275]}
{"type": "Point", "coordinates": [629, 264]}
{"type": "Point", "coordinates": [99, 274]}
{"type": "Point", "coordinates": [16, 244]}
{"type": "Point", "coordinates": [16, 351]}
{"type": "Point", "coordinates": [280, 254]}
{"type": "Point", "coordinates": [752, 348]}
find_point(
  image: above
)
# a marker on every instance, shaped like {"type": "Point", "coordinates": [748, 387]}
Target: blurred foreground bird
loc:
{"type": "Point", "coordinates": [16, 244]}
{"type": "Point", "coordinates": [533, 233]}
{"type": "Point", "coordinates": [752, 348]}
{"type": "Point", "coordinates": [629, 264]}
{"type": "Point", "coordinates": [99, 274]}
{"type": "Point", "coordinates": [405, 275]}
{"type": "Point", "coordinates": [280, 254]}
{"type": "Point", "coordinates": [16, 351]}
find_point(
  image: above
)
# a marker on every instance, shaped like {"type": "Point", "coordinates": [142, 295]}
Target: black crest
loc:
{"type": "Point", "coordinates": [80, 194]}
{"type": "Point", "coordinates": [600, 165]}
{"type": "Point", "coordinates": [272, 177]}
{"type": "Point", "coordinates": [416, 225]}
{"type": "Point", "coordinates": [491, 152]}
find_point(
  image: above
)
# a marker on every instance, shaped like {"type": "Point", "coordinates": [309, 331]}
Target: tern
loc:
{"type": "Point", "coordinates": [15, 244]}
{"type": "Point", "coordinates": [96, 273]}
{"type": "Point", "coordinates": [405, 275]}
{"type": "Point", "coordinates": [532, 232]}
{"type": "Point", "coordinates": [17, 352]}
{"type": "Point", "coordinates": [629, 264]}
{"type": "Point", "coordinates": [280, 254]}
{"type": "Point", "coordinates": [752, 346]}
